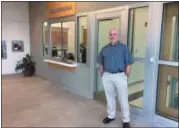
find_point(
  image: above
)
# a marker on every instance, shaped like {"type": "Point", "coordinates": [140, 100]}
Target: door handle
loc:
{"type": "Point", "coordinates": [152, 60]}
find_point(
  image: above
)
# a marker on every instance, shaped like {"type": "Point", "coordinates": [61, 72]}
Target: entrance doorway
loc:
{"type": "Point", "coordinates": [103, 30]}
{"type": "Point", "coordinates": [153, 83]}
{"type": "Point", "coordinates": [137, 40]}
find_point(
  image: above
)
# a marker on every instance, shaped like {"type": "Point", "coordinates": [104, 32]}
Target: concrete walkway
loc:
{"type": "Point", "coordinates": [35, 102]}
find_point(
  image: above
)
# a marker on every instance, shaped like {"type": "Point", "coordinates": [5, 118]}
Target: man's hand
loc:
{"type": "Point", "coordinates": [101, 70]}
{"type": "Point", "coordinates": [128, 69]}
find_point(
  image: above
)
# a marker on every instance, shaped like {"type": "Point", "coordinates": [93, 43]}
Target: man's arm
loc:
{"type": "Point", "coordinates": [100, 62]}
{"type": "Point", "coordinates": [101, 69]}
{"type": "Point", "coordinates": [128, 70]}
{"type": "Point", "coordinates": [128, 61]}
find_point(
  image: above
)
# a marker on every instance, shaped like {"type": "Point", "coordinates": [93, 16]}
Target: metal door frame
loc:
{"type": "Point", "coordinates": [157, 34]}
{"type": "Point", "coordinates": [144, 114]}
{"type": "Point", "coordinates": [97, 17]}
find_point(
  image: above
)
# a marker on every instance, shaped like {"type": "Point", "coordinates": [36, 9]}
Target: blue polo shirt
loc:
{"type": "Point", "coordinates": [115, 58]}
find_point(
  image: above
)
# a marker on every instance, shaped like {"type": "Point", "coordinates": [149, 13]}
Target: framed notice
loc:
{"type": "Point", "coordinates": [3, 49]}
{"type": "Point", "coordinates": [17, 46]}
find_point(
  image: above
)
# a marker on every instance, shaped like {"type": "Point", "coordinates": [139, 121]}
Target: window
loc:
{"type": "Point", "coordinates": [169, 48]}
{"type": "Point", "coordinates": [167, 102]}
{"type": "Point", "coordinates": [59, 42]}
{"type": "Point", "coordinates": [45, 38]}
{"type": "Point", "coordinates": [82, 39]}
{"type": "Point", "coordinates": [56, 43]}
{"type": "Point", "coordinates": [62, 41]}
{"type": "Point", "coordinates": [68, 39]}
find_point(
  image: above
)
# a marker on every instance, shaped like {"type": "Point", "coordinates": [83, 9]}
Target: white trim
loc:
{"type": "Point", "coordinates": [61, 63]}
{"type": "Point", "coordinates": [125, 7]}
{"type": "Point", "coordinates": [168, 63]}
{"type": "Point", "coordinates": [81, 14]}
{"type": "Point", "coordinates": [138, 5]}
{"type": "Point", "coordinates": [165, 121]}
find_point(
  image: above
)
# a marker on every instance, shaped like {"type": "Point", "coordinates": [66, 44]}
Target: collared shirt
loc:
{"type": "Point", "coordinates": [115, 58]}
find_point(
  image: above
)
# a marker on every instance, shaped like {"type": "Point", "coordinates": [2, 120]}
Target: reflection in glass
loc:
{"type": "Point", "coordinates": [137, 40]}
{"type": "Point", "coordinates": [170, 32]}
{"type": "Point", "coordinates": [167, 99]}
{"type": "Point", "coordinates": [3, 49]}
{"type": "Point", "coordinates": [138, 26]}
{"type": "Point", "coordinates": [136, 84]}
{"type": "Point", "coordinates": [167, 92]}
{"type": "Point", "coordinates": [56, 39]}
{"type": "Point", "coordinates": [45, 38]}
{"type": "Point", "coordinates": [82, 39]}
{"type": "Point", "coordinates": [68, 40]}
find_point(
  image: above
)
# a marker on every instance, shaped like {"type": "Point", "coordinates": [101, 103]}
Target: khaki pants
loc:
{"type": "Point", "coordinates": [116, 83]}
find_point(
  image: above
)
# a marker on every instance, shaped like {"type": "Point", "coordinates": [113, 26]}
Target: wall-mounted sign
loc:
{"type": "Point", "coordinates": [3, 49]}
{"type": "Point", "coordinates": [17, 46]}
{"type": "Point", "coordinates": [59, 9]}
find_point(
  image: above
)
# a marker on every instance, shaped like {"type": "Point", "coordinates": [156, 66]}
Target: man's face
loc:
{"type": "Point", "coordinates": [113, 35]}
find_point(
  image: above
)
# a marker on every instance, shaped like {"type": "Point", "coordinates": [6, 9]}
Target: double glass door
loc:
{"type": "Point", "coordinates": [152, 33]}
{"type": "Point", "coordinates": [167, 64]}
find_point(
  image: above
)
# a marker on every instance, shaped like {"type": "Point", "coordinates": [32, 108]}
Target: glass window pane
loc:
{"type": "Point", "coordinates": [68, 40]}
{"type": "Point", "coordinates": [82, 39]}
{"type": "Point", "coordinates": [138, 31]}
{"type": "Point", "coordinates": [56, 40]}
{"type": "Point", "coordinates": [167, 99]}
{"type": "Point", "coordinates": [136, 84]}
{"type": "Point", "coordinates": [170, 32]}
{"type": "Point", "coordinates": [45, 38]}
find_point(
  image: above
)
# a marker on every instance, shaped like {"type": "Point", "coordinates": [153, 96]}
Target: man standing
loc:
{"type": "Point", "coordinates": [114, 65]}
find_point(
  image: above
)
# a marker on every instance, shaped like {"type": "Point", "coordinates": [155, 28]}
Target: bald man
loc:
{"type": "Point", "coordinates": [114, 66]}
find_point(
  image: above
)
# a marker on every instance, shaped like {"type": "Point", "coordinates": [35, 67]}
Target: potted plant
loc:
{"type": "Point", "coordinates": [26, 65]}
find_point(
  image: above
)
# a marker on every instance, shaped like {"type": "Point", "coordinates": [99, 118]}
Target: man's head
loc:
{"type": "Point", "coordinates": [113, 35]}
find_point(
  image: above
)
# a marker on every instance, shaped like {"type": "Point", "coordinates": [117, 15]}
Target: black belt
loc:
{"type": "Point", "coordinates": [116, 72]}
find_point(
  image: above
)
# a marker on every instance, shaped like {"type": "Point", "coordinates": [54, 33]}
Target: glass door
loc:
{"type": "Point", "coordinates": [137, 41]}
{"type": "Point", "coordinates": [140, 80]}
{"type": "Point", "coordinates": [103, 24]}
{"type": "Point", "coordinates": [167, 82]}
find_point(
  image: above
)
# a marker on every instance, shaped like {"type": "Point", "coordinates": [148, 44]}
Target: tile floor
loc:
{"type": "Point", "coordinates": [35, 102]}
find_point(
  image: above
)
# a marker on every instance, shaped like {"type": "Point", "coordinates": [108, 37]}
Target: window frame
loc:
{"type": "Point", "coordinates": [53, 21]}
{"type": "Point", "coordinates": [89, 16]}
{"type": "Point", "coordinates": [75, 54]}
{"type": "Point", "coordinates": [43, 39]}
{"type": "Point", "coordinates": [163, 18]}
{"type": "Point", "coordinates": [50, 42]}
{"type": "Point", "coordinates": [78, 38]}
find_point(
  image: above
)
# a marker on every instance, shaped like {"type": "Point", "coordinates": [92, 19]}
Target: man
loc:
{"type": "Point", "coordinates": [114, 65]}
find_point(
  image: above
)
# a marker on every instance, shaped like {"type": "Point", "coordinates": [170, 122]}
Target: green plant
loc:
{"type": "Point", "coordinates": [26, 65]}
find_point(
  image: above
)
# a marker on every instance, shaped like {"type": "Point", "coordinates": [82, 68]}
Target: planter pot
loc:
{"type": "Point", "coordinates": [29, 71]}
